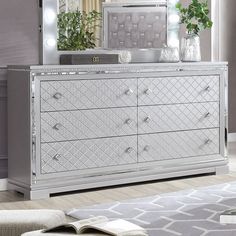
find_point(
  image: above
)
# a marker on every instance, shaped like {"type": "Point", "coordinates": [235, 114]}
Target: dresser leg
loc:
{"type": "Point", "coordinates": [29, 195]}
{"type": "Point", "coordinates": [36, 195]}
{"type": "Point", "coordinates": [222, 170]}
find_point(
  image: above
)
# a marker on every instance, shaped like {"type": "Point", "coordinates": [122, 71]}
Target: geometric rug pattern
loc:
{"type": "Point", "coordinates": [193, 212]}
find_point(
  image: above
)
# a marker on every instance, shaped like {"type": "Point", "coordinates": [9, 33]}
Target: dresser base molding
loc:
{"type": "Point", "coordinates": [231, 137]}
{"type": "Point", "coordinates": [3, 185]}
{"type": "Point", "coordinates": [43, 189]}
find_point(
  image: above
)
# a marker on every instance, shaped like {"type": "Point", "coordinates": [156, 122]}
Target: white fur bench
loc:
{"type": "Point", "coordinates": [17, 222]}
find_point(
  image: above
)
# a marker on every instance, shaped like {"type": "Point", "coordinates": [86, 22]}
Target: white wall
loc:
{"type": "Point", "coordinates": [18, 45]}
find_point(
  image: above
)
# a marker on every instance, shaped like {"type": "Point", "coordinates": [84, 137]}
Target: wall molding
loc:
{"type": "Point", "coordinates": [231, 137]}
{"type": "Point", "coordinates": [3, 184]}
{"type": "Point", "coordinates": [3, 89]}
{"type": "Point", "coordinates": [3, 157]}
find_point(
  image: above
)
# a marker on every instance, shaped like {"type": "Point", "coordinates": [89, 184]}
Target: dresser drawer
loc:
{"type": "Point", "coordinates": [174, 145]}
{"type": "Point", "coordinates": [72, 125]}
{"type": "Point", "coordinates": [163, 118]}
{"type": "Point", "coordinates": [88, 154]}
{"type": "Point", "coordinates": [172, 90]}
{"type": "Point", "coordinates": [87, 94]}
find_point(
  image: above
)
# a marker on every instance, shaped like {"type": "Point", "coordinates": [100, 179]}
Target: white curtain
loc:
{"type": "Point", "coordinates": [94, 5]}
{"type": "Point", "coordinates": [90, 5]}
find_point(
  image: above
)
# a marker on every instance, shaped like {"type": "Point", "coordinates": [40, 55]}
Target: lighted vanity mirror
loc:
{"type": "Point", "coordinates": [140, 27]}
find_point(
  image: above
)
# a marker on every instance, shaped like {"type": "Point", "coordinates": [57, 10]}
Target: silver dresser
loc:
{"type": "Point", "coordinates": [80, 127]}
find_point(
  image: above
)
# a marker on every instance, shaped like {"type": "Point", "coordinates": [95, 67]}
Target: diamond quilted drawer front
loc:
{"type": "Point", "coordinates": [86, 94]}
{"type": "Point", "coordinates": [174, 145]}
{"type": "Point", "coordinates": [71, 125]}
{"type": "Point", "coordinates": [169, 90]}
{"type": "Point", "coordinates": [165, 118]}
{"type": "Point", "coordinates": [80, 155]}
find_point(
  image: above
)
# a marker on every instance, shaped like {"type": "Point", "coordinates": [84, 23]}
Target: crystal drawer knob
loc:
{"type": "Point", "coordinates": [147, 120]}
{"type": "Point", "coordinates": [147, 148]}
{"type": "Point", "coordinates": [208, 141]}
{"type": "Point", "coordinates": [207, 89]}
{"type": "Point", "coordinates": [128, 121]}
{"type": "Point", "coordinates": [148, 91]}
{"type": "Point", "coordinates": [57, 126]}
{"type": "Point", "coordinates": [57, 95]}
{"type": "Point", "coordinates": [129, 92]}
{"type": "Point", "coordinates": [57, 157]}
{"type": "Point", "coordinates": [129, 150]}
{"type": "Point", "coordinates": [207, 115]}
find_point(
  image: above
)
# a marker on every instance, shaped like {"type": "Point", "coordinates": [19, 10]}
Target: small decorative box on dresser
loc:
{"type": "Point", "coordinates": [79, 127]}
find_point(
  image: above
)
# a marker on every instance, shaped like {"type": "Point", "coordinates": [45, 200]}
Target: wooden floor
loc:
{"type": "Point", "coordinates": [11, 200]}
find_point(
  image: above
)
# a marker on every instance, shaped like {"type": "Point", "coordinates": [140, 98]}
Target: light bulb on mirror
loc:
{"type": "Point", "coordinates": [174, 19]}
{"type": "Point", "coordinates": [173, 2]}
{"type": "Point", "coordinates": [51, 42]}
{"type": "Point", "coordinates": [49, 16]}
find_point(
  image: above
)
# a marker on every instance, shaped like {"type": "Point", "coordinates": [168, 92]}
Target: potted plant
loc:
{"type": "Point", "coordinates": [196, 18]}
{"type": "Point", "coordinates": [76, 30]}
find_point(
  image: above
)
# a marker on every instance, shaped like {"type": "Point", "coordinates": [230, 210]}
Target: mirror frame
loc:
{"type": "Point", "coordinates": [48, 10]}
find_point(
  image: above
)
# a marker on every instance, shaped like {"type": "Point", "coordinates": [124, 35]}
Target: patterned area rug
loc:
{"type": "Point", "coordinates": [192, 212]}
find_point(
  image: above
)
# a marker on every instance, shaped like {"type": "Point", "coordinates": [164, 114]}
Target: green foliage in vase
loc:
{"type": "Point", "coordinates": [195, 16]}
{"type": "Point", "coordinates": [76, 30]}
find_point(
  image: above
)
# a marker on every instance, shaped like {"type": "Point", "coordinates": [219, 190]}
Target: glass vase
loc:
{"type": "Point", "coordinates": [190, 48]}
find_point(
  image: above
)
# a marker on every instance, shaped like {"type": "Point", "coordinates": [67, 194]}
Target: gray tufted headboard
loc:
{"type": "Point", "coordinates": [135, 26]}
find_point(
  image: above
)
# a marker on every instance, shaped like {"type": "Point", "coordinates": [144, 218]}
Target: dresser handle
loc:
{"type": "Point", "coordinates": [129, 121]}
{"type": "Point", "coordinates": [148, 91]}
{"type": "Point", "coordinates": [147, 148]}
{"type": "Point", "coordinates": [57, 157]}
{"type": "Point", "coordinates": [57, 126]}
{"type": "Point", "coordinates": [129, 92]}
{"type": "Point", "coordinates": [147, 120]}
{"type": "Point", "coordinates": [129, 150]}
{"type": "Point", "coordinates": [57, 95]}
{"type": "Point", "coordinates": [207, 89]}
{"type": "Point", "coordinates": [207, 142]}
{"type": "Point", "coordinates": [207, 115]}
